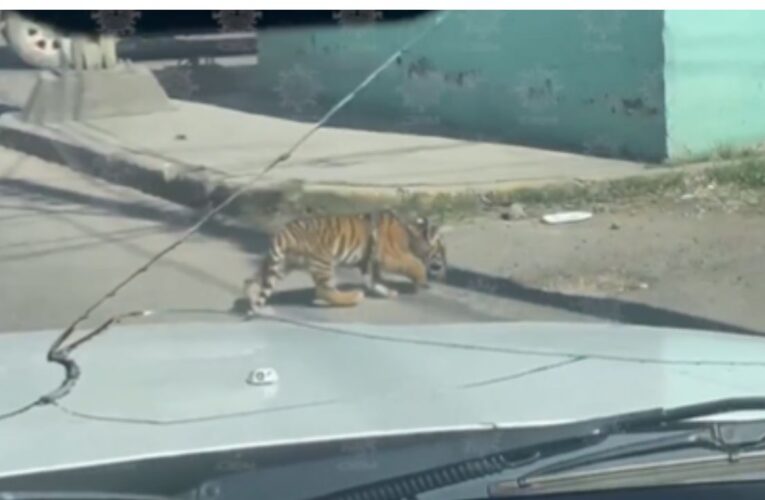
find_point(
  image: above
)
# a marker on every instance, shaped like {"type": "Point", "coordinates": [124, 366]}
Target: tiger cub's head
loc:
{"type": "Point", "coordinates": [430, 248]}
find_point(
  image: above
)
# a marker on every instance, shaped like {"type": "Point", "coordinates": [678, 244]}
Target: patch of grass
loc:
{"type": "Point", "coordinates": [553, 194]}
{"type": "Point", "coordinates": [687, 160]}
{"type": "Point", "coordinates": [725, 152]}
{"type": "Point", "coordinates": [442, 206]}
{"type": "Point", "coordinates": [635, 187]}
{"type": "Point", "coordinates": [581, 194]}
{"type": "Point", "coordinates": [748, 173]}
{"type": "Point", "coordinates": [731, 152]}
{"type": "Point", "coordinates": [320, 203]}
{"type": "Point", "coordinates": [450, 207]}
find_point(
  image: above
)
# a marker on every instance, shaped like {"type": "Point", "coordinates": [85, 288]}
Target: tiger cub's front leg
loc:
{"type": "Point", "coordinates": [409, 266]}
{"type": "Point", "coordinates": [373, 281]}
{"type": "Point", "coordinates": [323, 273]}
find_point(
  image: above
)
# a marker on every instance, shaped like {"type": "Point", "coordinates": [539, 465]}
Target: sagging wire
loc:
{"type": "Point", "coordinates": [572, 357]}
{"type": "Point", "coordinates": [20, 410]}
{"type": "Point", "coordinates": [143, 313]}
{"type": "Point", "coordinates": [61, 355]}
{"type": "Point", "coordinates": [72, 370]}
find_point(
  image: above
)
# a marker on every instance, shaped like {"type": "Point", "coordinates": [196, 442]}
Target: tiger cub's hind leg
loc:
{"type": "Point", "coordinates": [258, 288]}
{"type": "Point", "coordinates": [323, 273]}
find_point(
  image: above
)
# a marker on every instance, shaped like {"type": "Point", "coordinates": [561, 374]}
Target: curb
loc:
{"type": "Point", "coordinates": [193, 187]}
{"type": "Point", "coordinates": [266, 204]}
{"type": "Point", "coordinates": [200, 188]}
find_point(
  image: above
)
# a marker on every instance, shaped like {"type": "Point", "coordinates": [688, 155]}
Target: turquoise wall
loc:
{"type": "Point", "coordinates": [570, 80]}
{"type": "Point", "coordinates": [634, 84]}
{"type": "Point", "coordinates": [714, 76]}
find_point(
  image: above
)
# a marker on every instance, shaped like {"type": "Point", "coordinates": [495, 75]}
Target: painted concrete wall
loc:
{"type": "Point", "coordinates": [570, 80]}
{"type": "Point", "coordinates": [715, 80]}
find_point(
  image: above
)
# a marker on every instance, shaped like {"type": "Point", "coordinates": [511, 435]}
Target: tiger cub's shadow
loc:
{"type": "Point", "coordinates": [306, 296]}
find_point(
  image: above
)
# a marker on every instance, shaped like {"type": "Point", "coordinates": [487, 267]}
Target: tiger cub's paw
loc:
{"type": "Point", "coordinates": [337, 298]}
{"type": "Point", "coordinates": [380, 290]}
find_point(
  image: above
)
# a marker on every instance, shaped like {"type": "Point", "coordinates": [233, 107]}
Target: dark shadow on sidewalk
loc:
{"type": "Point", "coordinates": [617, 310]}
{"type": "Point", "coordinates": [249, 239]}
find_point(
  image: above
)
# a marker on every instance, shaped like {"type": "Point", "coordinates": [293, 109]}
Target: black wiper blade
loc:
{"type": "Point", "coordinates": [701, 439]}
{"type": "Point", "coordinates": [703, 435]}
{"type": "Point", "coordinates": [658, 417]}
{"type": "Point", "coordinates": [710, 436]}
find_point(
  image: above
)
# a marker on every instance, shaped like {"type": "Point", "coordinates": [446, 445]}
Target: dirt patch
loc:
{"type": "Point", "coordinates": [699, 254]}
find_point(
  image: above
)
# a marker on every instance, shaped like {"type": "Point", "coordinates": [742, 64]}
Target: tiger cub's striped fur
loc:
{"type": "Point", "coordinates": [371, 242]}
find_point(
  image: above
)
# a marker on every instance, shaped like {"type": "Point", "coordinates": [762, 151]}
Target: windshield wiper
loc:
{"type": "Point", "coordinates": [703, 435]}
{"type": "Point", "coordinates": [721, 437]}
{"type": "Point", "coordinates": [710, 438]}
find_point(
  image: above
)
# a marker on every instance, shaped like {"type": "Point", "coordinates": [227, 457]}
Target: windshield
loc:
{"type": "Point", "coordinates": [595, 170]}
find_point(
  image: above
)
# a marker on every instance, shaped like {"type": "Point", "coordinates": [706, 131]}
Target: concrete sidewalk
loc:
{"type": "Point", "coordinates": [197, 153]}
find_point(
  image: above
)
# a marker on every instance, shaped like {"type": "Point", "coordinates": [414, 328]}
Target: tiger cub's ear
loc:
{"type": "Point", "coordinates": [425, 227]}
{"type": "Point", "coordinates": [431, 230]}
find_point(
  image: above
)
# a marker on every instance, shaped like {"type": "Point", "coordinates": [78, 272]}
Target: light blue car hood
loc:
{"type": "Point", "coordinates": [164, 389]}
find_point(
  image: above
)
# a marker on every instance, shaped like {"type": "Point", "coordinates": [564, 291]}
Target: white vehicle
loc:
{"type": "Point", "coordinates": [450, 411]}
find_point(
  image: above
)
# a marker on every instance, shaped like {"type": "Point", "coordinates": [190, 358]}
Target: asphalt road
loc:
{"type": "Point", "coordinates": [66, 239]}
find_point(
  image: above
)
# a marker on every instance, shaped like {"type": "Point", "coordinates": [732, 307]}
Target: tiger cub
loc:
{"type": "Point", "coordinates": [371, 242]}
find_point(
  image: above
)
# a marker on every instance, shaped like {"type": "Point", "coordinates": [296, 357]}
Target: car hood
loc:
{"type": "Point", "coordinates": [165, 389]}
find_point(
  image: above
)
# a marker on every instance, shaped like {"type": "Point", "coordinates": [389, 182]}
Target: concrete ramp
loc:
{"type": "Point", "coordinates": [127, 90]}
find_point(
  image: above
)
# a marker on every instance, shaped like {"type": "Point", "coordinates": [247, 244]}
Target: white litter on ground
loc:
{"type": "Point", "coordinates": [566, 217]}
